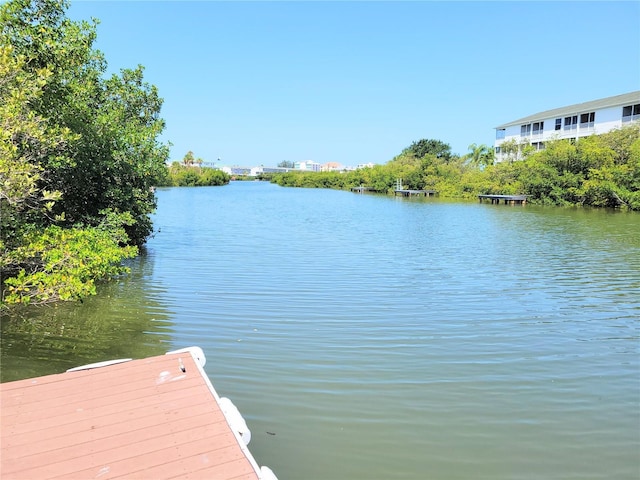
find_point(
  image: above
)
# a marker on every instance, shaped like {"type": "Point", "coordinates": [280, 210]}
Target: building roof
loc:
{"type": "Point", "coordinates": [332, 165]}
{"type": "Point", "coordinates": [157, 418]}
{"type": "Point", "coordinates": [617, 100]}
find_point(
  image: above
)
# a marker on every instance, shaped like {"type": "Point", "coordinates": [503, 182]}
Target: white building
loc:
{"type": "Point", "coordinates": [331, 167]}
{"type": "Point", "coordinates": [364, 165]}
{"type": "Point", "coordinates": [307, 165]}
{"type": "Point", "coordinates": [588, 118]}
{"type": "Point", "coordinates": [255, 171]}
{"type": "Point", "coordinates": [235, 170]}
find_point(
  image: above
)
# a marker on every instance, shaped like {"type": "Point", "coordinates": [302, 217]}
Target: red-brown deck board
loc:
{"type": "Point", "coordinates": [142, 419]}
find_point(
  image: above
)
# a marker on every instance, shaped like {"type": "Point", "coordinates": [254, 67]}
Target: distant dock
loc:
{"type": "Point", "coordinates": [400, 190]}
{"type": "Point", "coordinates": [362, 189]}
{"type": "Point", "coordinates": [508, 199]}
{"type": "Point", "coordinates": [411, 193]}
{"type": "Point", "coordinates": [406, 192]}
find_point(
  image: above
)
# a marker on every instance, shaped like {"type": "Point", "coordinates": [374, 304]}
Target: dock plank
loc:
{"type": "Point", "coordinates": [140, 419]}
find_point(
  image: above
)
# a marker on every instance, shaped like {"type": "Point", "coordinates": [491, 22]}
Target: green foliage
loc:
{"type": "Point", "coordinates": [513, 150]}
{"type": "Point", "coordinates": [111, 157]}
{"type": "Point", "coordinates": [428, 147]}
{"type": "Point", "coordinates": [25, 140]}
{"type": "Point", "coordinates": [76, 151]}
{"type": "Point", "coordinates": [65, 263]}
{"type": "Point", "coordinates": [183, 175]}
{"type": "Point", "coordinates": [190, 160]}
{"type": "Point", "coordinates": [480, 155]}
{"type": "Point", "coordinates": [599, 170]}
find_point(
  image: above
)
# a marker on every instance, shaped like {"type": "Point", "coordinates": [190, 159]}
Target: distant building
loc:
{"type": "Point", "coordinates": [236, 170]}
{"type": "Point", "coordinates": [364, 165]}
{"type": "Point", "coordinates": [331, 167]}
{"type": "Point", "coordinates": [307, 165]}
{"type": "Point", "coordinates": [255, 171]}
{"type": "Point", "coordinates": [572, 122]}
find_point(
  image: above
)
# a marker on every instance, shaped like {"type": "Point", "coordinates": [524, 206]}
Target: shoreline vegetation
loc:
{"type": "Point", "coordinates": [80, 158]}
{"type": "Point", "coordinates": [188, 174]}
{"type": "Point", "coordinates": [191, 173]}
{"type": "Point", "coordinates": [597, 171]}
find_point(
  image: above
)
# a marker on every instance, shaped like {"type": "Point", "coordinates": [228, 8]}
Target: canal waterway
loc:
{"type": "Point", "coordinates": [372, 337]}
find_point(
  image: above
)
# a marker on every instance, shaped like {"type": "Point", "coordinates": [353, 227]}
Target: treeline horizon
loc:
{"type": "Point", "coordinates": [597, 170]}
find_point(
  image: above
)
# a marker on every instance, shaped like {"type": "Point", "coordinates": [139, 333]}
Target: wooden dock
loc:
{"type": "Point", "coordinates": [362, 189]}
{"type": "Point", "coordinates": [411, 193]}
{"type": "Point", "coordinates": [508, 199]}
{"type": "Point", "coordinates": [154, 418]}
{"type": "Point", "coordinates": [405, 192]}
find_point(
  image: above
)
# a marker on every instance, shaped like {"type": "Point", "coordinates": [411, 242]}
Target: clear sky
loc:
{"type": "Point", "coordinates": [256, 83]}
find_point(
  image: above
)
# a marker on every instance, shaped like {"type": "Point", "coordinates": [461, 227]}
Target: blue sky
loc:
{"type": "Point", "coordinates": [256, 83]}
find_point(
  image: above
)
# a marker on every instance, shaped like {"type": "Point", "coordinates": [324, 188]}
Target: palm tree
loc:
{"type": "Point", "coordinates": [188, 158]}
{"type": "Point", "coordinates": [480, 155]}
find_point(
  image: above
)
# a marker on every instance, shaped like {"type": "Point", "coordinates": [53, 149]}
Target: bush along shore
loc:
{"type": "Point", "coordinates": [79, 157]}
{"type": "Point", "coordinates": [599, 171]}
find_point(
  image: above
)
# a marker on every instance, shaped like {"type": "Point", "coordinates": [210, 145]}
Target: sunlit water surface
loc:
{"type": "Point", "coordinates": [372, 337]}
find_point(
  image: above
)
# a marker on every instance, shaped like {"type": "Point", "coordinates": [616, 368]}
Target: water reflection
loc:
{"type": "Point", "coordinates": [127, 319]}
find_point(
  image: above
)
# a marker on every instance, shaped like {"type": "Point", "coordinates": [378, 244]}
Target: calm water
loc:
{"type": "Point", "coordinates": [379, 338]}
